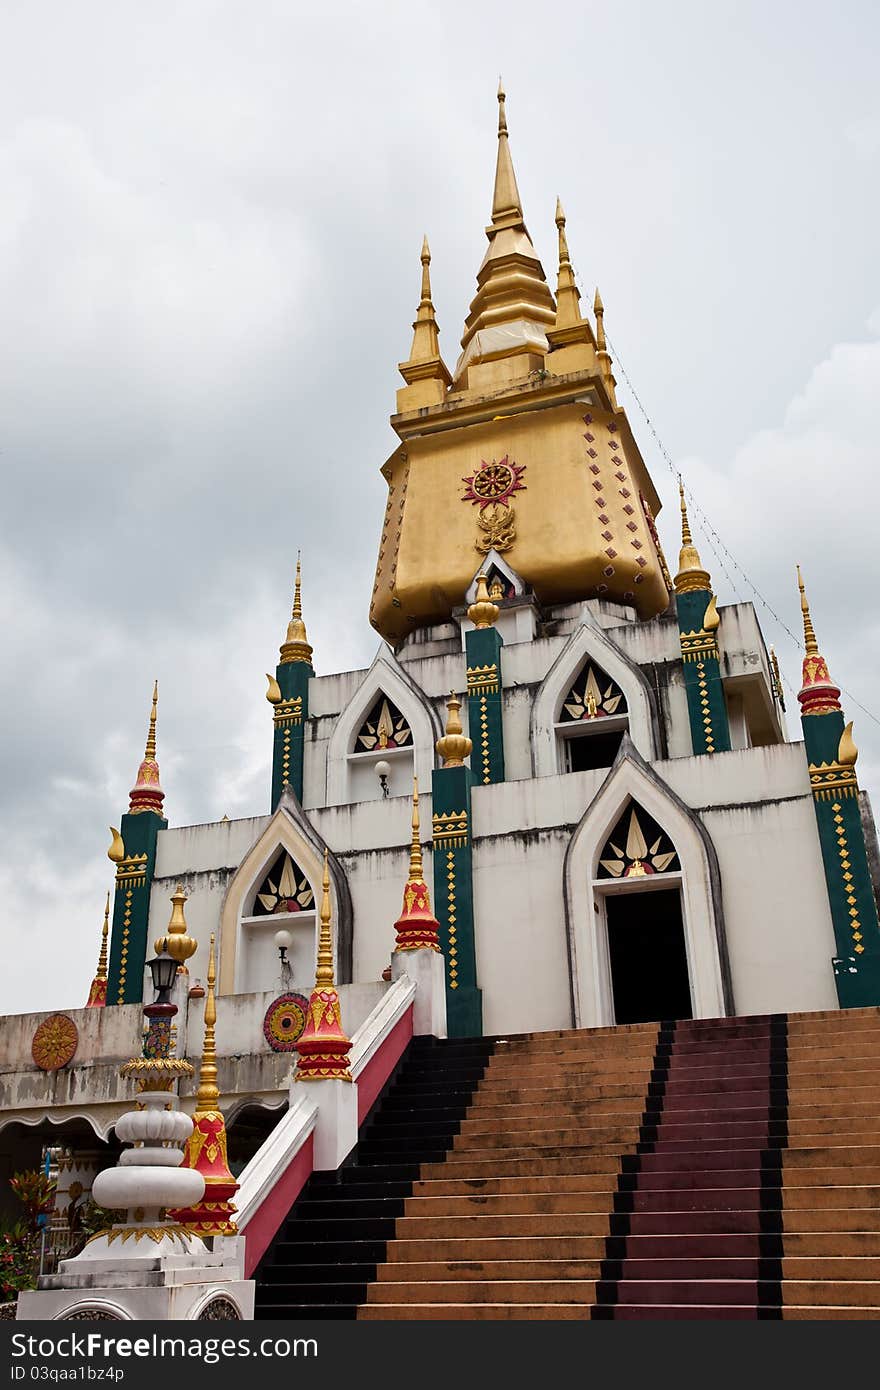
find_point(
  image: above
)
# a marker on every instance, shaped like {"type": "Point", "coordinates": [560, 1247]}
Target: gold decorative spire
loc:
{"type": "Point", "coordinates": [208, 1094]}
{"type": "Point", "coordinates": [483, 612]}
{"type": "Point", "coordinates": [513, 307]}
{"type": "Point", "coordinates": [602, 352]}
{"type": "Point", "coordinates": [178, 943]}
{"type": "Point", "coordinates": [812, 646]}
{"type": "Point", "coordinates": [691, 576]}
{"type": "Point", "coordinates": [424, 363]}
{"type": "Point", "coordinates": [147, 794]}
{"type": "Point", "coordinates": [98, 989]}
{"type": "Point", "coordinates": [454, 746]}
{"type": "Point", "coordinates": [296, 646]}
{"type": "Point", "coordinates": [150, 752]}
{"type": "Point", "coordinates": [570, 326]}
{"type": "Point", "coordinates": [101, 972]}
{"type": "Point", "coordinates": [324, 973]}
{"type": "Point", "coordinates": [415, 850]}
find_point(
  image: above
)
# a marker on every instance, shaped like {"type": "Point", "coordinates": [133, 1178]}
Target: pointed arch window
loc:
{"type": "Point", "coordinates": [283, 897]}
{"type": "Point", "coordinates": [592, 719]}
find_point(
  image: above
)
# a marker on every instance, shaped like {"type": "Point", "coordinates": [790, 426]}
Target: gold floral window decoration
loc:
{"type": "Point", "coordinates": [284, 889]}
{"type": "Point", "coordinates": [384, 727]}
{"type": "Point", "coordinates": [592, 696]}
{"type": "Point", "coordinates": [637, 848]}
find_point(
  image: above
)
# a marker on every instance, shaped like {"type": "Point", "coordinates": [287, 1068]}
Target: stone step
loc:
{"type": "Point", "coordinates": [527, 1268]}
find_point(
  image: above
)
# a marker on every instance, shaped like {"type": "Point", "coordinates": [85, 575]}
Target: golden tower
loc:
{"type": "Point", "coordinates": [522, 449]}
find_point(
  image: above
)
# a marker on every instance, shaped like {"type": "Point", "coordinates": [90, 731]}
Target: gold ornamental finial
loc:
{"type": "Point", "coordinates": [812, 645]}
{"type": "Point", "coordinates": [296, 646]}
{"type": "Point", "coordinates": [570, 327]}
{"type": "Point", "coordinates": [847, 752]}
{"type": "Point", "coordinates": [602, 352]}
{"type": "Point", "coordinates": [415, 852]}
{"type": "Point", "coordinates": [273, 694]}
{"type": "Point", "coordinates": [483, 612]}
{"type": "Point", "coordinates": [424, 362]}
{"type": "Point", "coordinates": [454, 746]}
{"type": "Point", "coordinates": [208, 1094]}
{"type": "Point", "coordinates": [116, 852]}
{"type": "Point", "coordinates": [324, 973]}
{"type": "Point", "coordinates": [505, 197]}
{"type": "Point", "coordinates": [150, 753]}
{"type": "Point", "coordinates": [177, 943]}
{"type": "Point", "coordinates": [691, 577]}
{"type": "Point", "coordinates": [101, 972]}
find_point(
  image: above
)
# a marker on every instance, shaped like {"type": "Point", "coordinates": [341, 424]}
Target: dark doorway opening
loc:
{"type": "Point", "coordinates": [649, 974]}
{"type": "Point", "coordinates": [595, 749]}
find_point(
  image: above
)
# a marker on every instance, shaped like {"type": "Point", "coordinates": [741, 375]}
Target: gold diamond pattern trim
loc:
{"type": "Point", "coordinates": [483, 678]}
{"type": "Point", "coordinates": [698, 646]}
{"type": "Point", "coordinates": [843, 851]}
{"type": "Point", "coordinates": [705, 711]}
{"type": "Point", "coordinates": [831, 781]}
{"type": "Point", "coordinates": [452, 920]}
{"type": "Point", "coordinates": [484, 742]}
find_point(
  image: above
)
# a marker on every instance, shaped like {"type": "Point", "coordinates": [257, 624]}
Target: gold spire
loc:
{"type": "Point", "coordinates": [691, 576]}
{"type": "Point", "coordinates": [483, 612]}
{"type": "Point", "coordinates": [812, 646]}
{"type": "Point", "coordinates": [513, 307]}
{"type": "Point", "coordinates": [415, 852]}
{"type": "Point", "coordinates": [602, 352]}
{"type": "Point", "coordinates": [150, 753]}
{"type": "Point", "coordinates": [178, 943]}
{"type": "Point", "coordinates": [324, 973]}
{"type": "Point", "coordinates": [296, 646]}
{"type": "Point", "coordinates": [101, 972]}
{"type": "Point", "coordinates": [147, 794]}
{"type": "Point", "coordinates": [424, 364]}
{"type": "Point", "coordinates": [208, 1094]}
{"type": "Point", "coordinates": [571, 326]}
{"type": "Point", "coordinates": [454, 746]}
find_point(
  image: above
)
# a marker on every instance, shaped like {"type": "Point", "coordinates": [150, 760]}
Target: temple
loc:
{"type": "Point", "coordinates": [575, 766]}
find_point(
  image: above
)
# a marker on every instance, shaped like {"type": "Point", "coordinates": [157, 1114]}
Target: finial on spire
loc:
{"type": "Point", "coordinates": [818, 694]}
{"type": "Point", "coordinates": [502, 114]}
{"type": "Point", "coordinates": [483, 612]}
{"type": "Point", "coordinates": [424, 363]}
{"type": "Point", "coordinates": [98, 991]}
{"type": "Point", "coordinates": [323, 1045]}
{"type": "Point", "coordinates": [691, 577]}
{"type": "Point", "coordinates": [296, 645]}
{"type": "Point", "coordinates": [602, 352]}
{"type": "Point", "coordinates": [571, 326]}
{"type": "Point", "coordinates": [454, 746]}
{"type": "Point", "coordinates": [177, 943]}
{"type": "Point", "coordinates": [416, 928]}
{"type": "Point", "coordinates": [812, 646]}
{"type": "Point", "coordinates": [506, 204]}
{"type": "Point", "coordinates": [147, 794]}
{"type": "Point", "coordinates": [208, 1094]}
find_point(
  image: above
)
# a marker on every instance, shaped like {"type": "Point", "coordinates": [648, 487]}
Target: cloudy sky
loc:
{"type": "Point", "coordinates": [210, 220]}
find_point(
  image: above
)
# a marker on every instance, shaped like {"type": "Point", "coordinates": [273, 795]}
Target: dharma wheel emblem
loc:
{"type": "Point", "coordinates": [54, 1042]}
{"type": "Point", "coordinates": [490, 488]}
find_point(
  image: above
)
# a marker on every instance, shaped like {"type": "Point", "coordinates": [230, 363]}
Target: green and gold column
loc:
{"type": "Point", "coordinates": [133, 851]}
{"type": "Point", "coordinates": [483, 650]}
{"type": "Point", "coordinates": [453, 879]}
{"type": "Point", "coordinates": [831, 754]}
{"type": "Point", "coordinates": [698, 626]}
{"type": "Point", "coordinates": [288, 694]}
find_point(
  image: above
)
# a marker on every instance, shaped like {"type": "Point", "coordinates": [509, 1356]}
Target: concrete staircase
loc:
{"type": "Point", "coordinates": [726, 1168]}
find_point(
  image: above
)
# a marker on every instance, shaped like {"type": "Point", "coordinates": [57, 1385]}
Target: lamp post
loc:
{"type": "Point", "coordinates": [383, 772]}
{"type": "Point", "coordinates": [283, 941]}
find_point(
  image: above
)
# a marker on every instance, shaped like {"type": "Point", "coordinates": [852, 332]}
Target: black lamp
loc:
{"type": "Point", "coordinates": [163, 969]}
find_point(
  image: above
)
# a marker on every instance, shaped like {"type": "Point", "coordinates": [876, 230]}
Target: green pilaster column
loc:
{"type": "Point", "coordinates": [288, 694]}
{"type": "Point", "coordinates": [483, 650]}
{"type": "Point", "coordinates": [290, 713]}
{"type": "Point", "coordinates": [707, 709]}
{"type": "Point", "coordinates": [129, 941]}
{"type": "Point", "coordinates": [831, 755]}
{"type": "Point", "coordinates": [454, 899]}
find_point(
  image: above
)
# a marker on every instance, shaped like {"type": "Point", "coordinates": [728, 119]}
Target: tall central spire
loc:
{"type": "Point", "coordinates": [513, 308]}
{"type": "Point", "coordinates": [506, 205]}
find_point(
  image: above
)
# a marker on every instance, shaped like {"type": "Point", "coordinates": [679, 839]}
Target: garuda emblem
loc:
{"type": "Point", "coordinates": [490, 488]}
